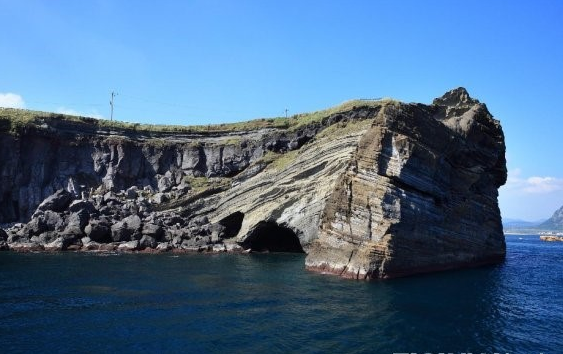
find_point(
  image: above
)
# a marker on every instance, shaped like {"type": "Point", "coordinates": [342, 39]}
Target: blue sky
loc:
{"type": "Point", "coordinates": [200, 62]}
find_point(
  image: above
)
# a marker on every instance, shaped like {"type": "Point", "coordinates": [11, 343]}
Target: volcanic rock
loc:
{"type": "Point", "coordinates": [129, 246]}
{"type": "Point", "coordinates": [126, 229]}
{"type": "Point", "coordinates": [98, 231]}
{"type": "Point", "coordinates": [57, 202]}
{"type": "Point", "coordinates": [369, 189]}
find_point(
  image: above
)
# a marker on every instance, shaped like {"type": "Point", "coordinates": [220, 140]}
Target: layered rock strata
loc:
{"type": "Point", "coordinates": [419, 194]}
{"type": "Point", "coordinates": [371, 189]}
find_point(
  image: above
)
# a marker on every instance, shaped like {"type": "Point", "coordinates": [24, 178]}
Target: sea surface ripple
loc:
{"type": "Point", "coordinates": [85, 303]}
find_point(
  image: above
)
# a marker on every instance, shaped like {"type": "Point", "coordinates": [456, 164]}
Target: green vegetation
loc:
{"type": "Point", "coordinates": [344, 128]}
{"type": "Point", "coordinates": [16, 120]}
{"type": "Point", "coordinates": [308, 118]}
{"type": "Point", "coordinates": [233, 141]}
{"type": "Point", "coordinates": [278, 161]}
{"type": "Point", "coordinates": [200, 184]}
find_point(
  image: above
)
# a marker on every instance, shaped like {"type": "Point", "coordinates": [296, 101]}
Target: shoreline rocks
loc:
{"type": "Point", "coordinates": [80, 225]}
{"type": "Point", "coordinates": [551, 238]}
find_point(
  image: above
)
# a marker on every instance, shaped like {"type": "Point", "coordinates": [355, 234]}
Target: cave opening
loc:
{"type": "Point", "coordinates": [232, 224]}
{"type": "Point", "coordinates": [271, 237]}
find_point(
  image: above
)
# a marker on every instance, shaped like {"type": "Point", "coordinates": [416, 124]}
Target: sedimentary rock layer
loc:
{"type": "Point", "coordinates": [420, 194]}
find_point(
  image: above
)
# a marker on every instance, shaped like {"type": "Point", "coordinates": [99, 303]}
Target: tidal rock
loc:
{"type": "Point", "coordinates": [219, 248]}
{"type": "Point", "coordinates": [163, 247]}
{"type": "Point", "coordinates": [233, 247]}
{"type": "Point", "coordinates": [99, 231]}
{"type": "Point", "coordinates": [551, 238]}
{"type": "Point", "coordinates": [46, 237]}
{"type": "Point", "coordinates": [76, 223]}
{"type": "Point", "coordinates": [53, 221]}
{"type": "Point", "coordinates": [147, 242]}
{"type": "Point", "coordinates": [91, 246]}
{"type": "Point", "coordinates": [43, 221]}
{"type": "Point", "coordinates": [126, 229]}
{"type": "Point", "coordinates": [107, 247]}
{"type": "Point", "coordinates": [35, 226]}
{"type": "Point", "coordinates": [57, 202]}
{"type": "Point", "coordinates": [3, 236]}
{"type": "Point", "coordinates": [16, 238]}
{"type": "Point", "coordinates": [26, 247]}
{"type": "Point", "coordinates": [129, 246]}
{"type": "Point", "coordinates": [81, 204]}
{"type": "Point", "coordinates": [56, 246]}
{"type": "Point", "coordinates": [152, 230]}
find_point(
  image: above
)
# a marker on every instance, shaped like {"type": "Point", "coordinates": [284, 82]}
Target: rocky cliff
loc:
{"type": "Point", "coordinates": [419, 194]}
{"type": "Point", "coordinates": [369, 189]}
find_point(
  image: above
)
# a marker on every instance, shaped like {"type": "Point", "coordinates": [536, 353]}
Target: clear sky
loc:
{"type": "Point", "coordinates": [200, 62]}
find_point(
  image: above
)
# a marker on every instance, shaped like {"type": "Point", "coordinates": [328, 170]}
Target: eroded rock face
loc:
{"type": "Point", "coordinates": [419, 195]}
{"type": "Point", "coordinates": [375, 190]}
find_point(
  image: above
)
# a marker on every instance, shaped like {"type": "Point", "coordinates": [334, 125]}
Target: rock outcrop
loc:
{"type": "Point", "coordinates": [419, 195]}
{"type": "Point", "coordinates": [369, 189]}
{"type": "Point", "coordinates": [551, 238]}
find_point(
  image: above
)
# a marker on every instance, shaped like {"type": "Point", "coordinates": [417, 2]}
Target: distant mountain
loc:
{"type": "Point", "coordinates": [555, 222]}
{"type": "Point", "coordinates": [520, 224]}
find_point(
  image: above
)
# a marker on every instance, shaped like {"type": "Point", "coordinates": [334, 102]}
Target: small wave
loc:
{"type": "Point", "coordinates": [107, 254]}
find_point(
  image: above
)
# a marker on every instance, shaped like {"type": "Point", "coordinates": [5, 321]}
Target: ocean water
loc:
{"type": "Point", "coordinates": [267, 303]}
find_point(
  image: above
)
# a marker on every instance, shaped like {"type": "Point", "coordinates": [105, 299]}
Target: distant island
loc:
{"type": "Point", "coordinates": [551, 226]}
{"type": "Point", "coordinates": [368, 189]}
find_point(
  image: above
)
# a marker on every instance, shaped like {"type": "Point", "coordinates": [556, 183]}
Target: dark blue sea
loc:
{"type": "Point", "coordinates": [268, 303]}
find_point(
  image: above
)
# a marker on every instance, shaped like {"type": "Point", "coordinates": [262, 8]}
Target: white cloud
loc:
{"type": "Point", "coordinates": [11, 100]}
{"type": "Point", "coordinates": [543, 184]}
{"type": "Point", "coordinates": [73, 112]}
{"type": "Point", "coordinates": [532, 185]}
{"type": "Point", "coordinates": [530, 198]}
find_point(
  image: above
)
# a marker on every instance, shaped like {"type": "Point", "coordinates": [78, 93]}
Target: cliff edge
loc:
{"type": "Point", "coordinates": [369, 189]}
{"type": "Point", "coordinates": [419, 194]}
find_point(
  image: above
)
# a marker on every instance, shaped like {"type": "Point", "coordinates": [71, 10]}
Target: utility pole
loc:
{"type": "Point", "coordinates": [286, 110]}
{"type": "Point", "coordinates": [113, 94]}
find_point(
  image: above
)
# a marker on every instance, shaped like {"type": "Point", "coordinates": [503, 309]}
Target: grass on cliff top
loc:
{"type": "Point", "coordinates": [15, 120]}
{"type": "Point", "coordinates": [344, 128]}
{"type": "Point", "coordinates": [279, 161]}
{"type": "Point", "coordinates": [200, 184]}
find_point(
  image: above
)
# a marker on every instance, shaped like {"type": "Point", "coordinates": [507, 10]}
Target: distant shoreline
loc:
{"type": "Point", "coordinates": [521, 233]}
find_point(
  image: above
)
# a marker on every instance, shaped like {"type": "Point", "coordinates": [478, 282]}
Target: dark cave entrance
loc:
{"type": "Point", "coordinates": [232, 224]}
{"type": "Point", "coordinates": [271, 237]}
